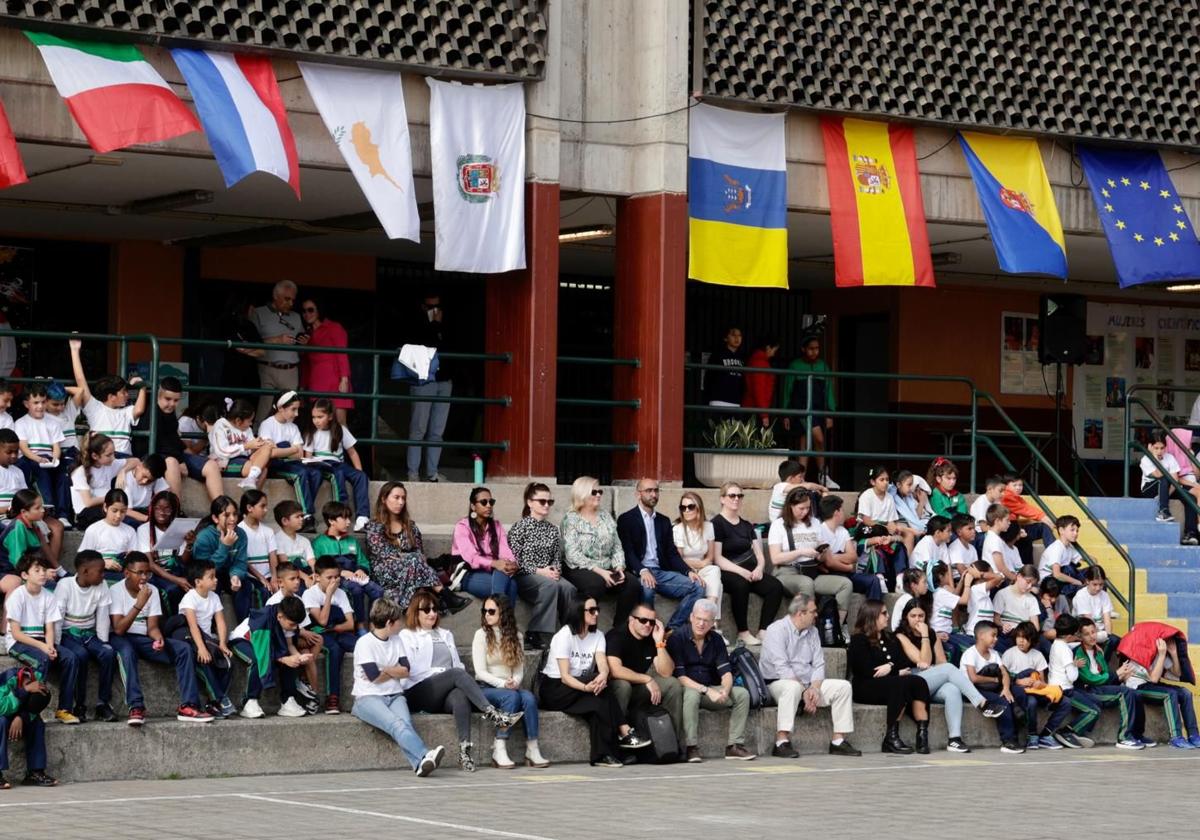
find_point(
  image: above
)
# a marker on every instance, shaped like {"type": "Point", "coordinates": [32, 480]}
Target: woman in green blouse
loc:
{"type": "Point", "coordinates": [592, 557]}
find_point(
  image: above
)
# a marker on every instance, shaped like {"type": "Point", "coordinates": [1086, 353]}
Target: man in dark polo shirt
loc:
{"type": "Point", "coordinates": [702, 668]}
{"type": "Point", "coordinates": [640, 669]}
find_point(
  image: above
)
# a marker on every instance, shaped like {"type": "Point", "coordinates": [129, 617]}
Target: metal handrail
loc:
{"type": "Point", "coordinates": [1156, 420]}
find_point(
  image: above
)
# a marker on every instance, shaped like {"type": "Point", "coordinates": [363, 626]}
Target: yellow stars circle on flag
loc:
{"type": "Point", "coordinates": [1120, 225]}
{"type": "Point", "coordinates": [1124, 182]}
{"type": "Point", "coordinates": [1105, 193]}
{"type": "Point", "coordinates": [1177, 208]}
{"type": "Point", "coordinates": [1108, 208]}
{"type": "Point", "coordinates": [1181, 225]}
{"type": "Point", "coordinates": [1139, 238]}
{"type": "Point", "coordinates": [1145, 185]}
{"type": "Point", "coordinates": [1174, 236]}
{"type": "Point", "coordinates": [1158, 240]}
{"type": "Point", "coordinates": [1165, 193]}
{"type": "Point", "coordinates": [1111, 182]}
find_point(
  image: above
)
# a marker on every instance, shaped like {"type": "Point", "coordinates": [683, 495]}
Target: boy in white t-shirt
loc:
{"type": "Point", "coordinates": [791, 475]}
{"type": "Point", "coordinates": [11, 477]}
{"type": "Point", "coordinates": [380, 667]}
{"type": "Point", "coordinates": [1015, 605]}
{"type": "Point", "coordinates": [330, 610]}
{"type": "Point", "coordinates": [932, 549]}
{"type": "Point", "coordinates": [1002, 557]}
{"type": "Point", "coordinates": [106, 406]}
{"type": "Point", "coordinates": [993, 490]}
{"type": "Point", "coordinates": [1062, 671]}
{"type": "Point", "coordinates": [1060, 560]}
{"type": "Point", "coordinates": [841, 556]}
{"type": "Point", "coordinates": [84, 603]}
{"type": "Point", "coordinates": [203, 625]}
{"type": "Point", "coordinates": [1026, 668]}
{"type": "Point", "coordinates": [31, 631]}
{"type": "Point", "coordinates": [962, 551]}
{"type": "Point", "coordinates": [41, 441]}
{"type": "Point", "coordinates": [289, 542]}
{"type": "Point", "coordinates": [1156, 485]}
{"type": "Point", "coordinates": [981, 663]}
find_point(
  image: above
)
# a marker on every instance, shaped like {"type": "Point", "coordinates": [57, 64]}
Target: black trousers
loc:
{"type": "Point", "coordinates": [591, 585]}
{"type": "Point", "coordinates": [601, 711]}
{"type": "Point", "coordinates": [896, 692]}
{"type": "Point", "coordinates": [738, 589]}
{"type": "Point", "coordinates": [451, 691]}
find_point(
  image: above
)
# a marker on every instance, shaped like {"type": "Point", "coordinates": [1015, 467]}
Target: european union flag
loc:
{"type": "Point", "coordinates": [1149, 234]}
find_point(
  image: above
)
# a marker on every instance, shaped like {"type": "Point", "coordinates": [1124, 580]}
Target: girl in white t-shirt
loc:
{"type": "Point", "coordinates": [332, 447]}
{"type": "Point", "coordinates": [235, 448]}
{"type": "Point", "coordinates": [696, 543]}
{"type": "Point", "coordinates": [111, 536]}
{"type": "Point", "coordinates": [1156, 485]}
{"type": "Point", "coordinates": [1093, 602]}
{"type": "Point", "coordinates": [287, 450]}
{"type": "Point", "coordinates": [876, 506]}
{"type": "Point", "coordinates": [93, 478]}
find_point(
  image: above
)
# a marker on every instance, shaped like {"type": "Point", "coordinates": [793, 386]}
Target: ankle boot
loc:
{"type": "Point", "coordinates": [892, 742]}
{"type": "Point", "coordinates": [923, 737]}
{"type": "Point", "coordinates": [500, 757]}
{"type": "Point", "coordinates": [533, 756]}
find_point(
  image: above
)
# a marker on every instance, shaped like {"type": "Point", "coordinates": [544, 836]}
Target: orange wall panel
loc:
{"type": "Point", "coordinates": [304, 268]}
{"type": "Point", "coordinates": [146, 294]}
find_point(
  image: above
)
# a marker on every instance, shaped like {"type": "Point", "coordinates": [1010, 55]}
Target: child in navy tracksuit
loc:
{"type": "Point", "coordinates": [330, 611]}
{"type": "Point", "coordinates": [1095, 680]}
{"type": "Point", "coordinates": [338, 542]}
{"type": "Point", "coordinates": [22, 698]}
{"type": "Point", "coordinates": [264, 641]}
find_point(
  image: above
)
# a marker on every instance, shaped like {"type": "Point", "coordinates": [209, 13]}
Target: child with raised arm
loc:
{"type": "Point", "coordinates": [295, 548]}
{"type": "Point", "coordinates": [41, 442]}
{"type": "Point", "coordinates": [202, 624]}
{"type": "Point", "coordinates": [1026, 668]}
{"type": "Point", "coordinates": [333, 448]}
{"type": "Point", "coordinates": [30, 636]}
{"type": "Point", "coordinates": [1178, 704]}
{"type": "Point", "coordinates": [1104, 688]}
{"type": "Point", "coordinates": [106, 406]}
{"type": "Point", "coordinates": [221, 542]}
{"type": "Point", "coordinates": [287, 451]}
{"type": "Point", "coordinates": [135, 634]}
{"type": "Point", "coordinates": [62, 409]}
{"type": "Point", "coordinates": [84, 602]}
{"type": "Point", "coordinates": [947, 598]}
{"type": "Point", "coordinates": [330, 611]}
{"type": "Point", "coordinates": [981, 663]}
{"type": "Point", "coordinates": [263, 642]}
{"type": "Point", "coordinates": [1060, 559]}
{"type": "Point", "coordinates": [237, 451]}
{"type": "Point", "coordinates": [337, 541]}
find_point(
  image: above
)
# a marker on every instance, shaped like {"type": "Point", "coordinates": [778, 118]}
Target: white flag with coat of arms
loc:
{"type": "Point", "coordinates": [478, 139]}
{"type": "Point", "coordinates": [364, 112]}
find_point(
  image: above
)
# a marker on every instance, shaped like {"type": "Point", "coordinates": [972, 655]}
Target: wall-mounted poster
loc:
{"type": "Point", "coordinates": [1020, 371]}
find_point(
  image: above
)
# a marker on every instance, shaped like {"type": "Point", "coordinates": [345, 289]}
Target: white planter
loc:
{"type": "Point", "coordinates": [759, 469]}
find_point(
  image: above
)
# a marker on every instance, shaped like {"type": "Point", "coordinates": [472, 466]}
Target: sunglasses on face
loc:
{"type": "Point", "coordinates": [591, 610]}
{"type": "Point", "coordinates": [543, 501]}
{"type": "Point", "coordinates": [309, 309]}
{"type": "Point", "coordinates": [735, 495]}
{"type": "Point", "coordinates": [489, 610]}
{"type": "Point", "coordinates": [597, 492]}
{"type": "Point", "coordinates": [688, 506]}
{"type": "Point", "coordinates": [485, 502]}
{"type": "Point", "coordinates": [646, 622]}
{"type": "Point", "coordinates": [428, 608]}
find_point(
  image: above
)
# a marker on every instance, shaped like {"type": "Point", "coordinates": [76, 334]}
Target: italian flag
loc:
{"type": "Point", "coordinates": [113, 93]}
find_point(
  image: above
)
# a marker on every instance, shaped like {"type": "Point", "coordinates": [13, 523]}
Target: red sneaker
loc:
{"type": "Point", "coordinates": [190, 714]}
{"type": "Point", "coordinates": [137, 716]}
{"type": "Point", "coordinates": [333, 705]}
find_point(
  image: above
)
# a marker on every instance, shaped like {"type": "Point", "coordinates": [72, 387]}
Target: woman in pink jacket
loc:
{"type": "Point", "coordinates": [480, 541]}
{"type": "Point", "coordinates": [325, 371]}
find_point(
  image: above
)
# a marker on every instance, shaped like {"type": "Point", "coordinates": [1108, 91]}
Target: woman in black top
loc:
{"type": "Point", "coordinates": [743, 567]}
{"type": "Point", "coordinates": [880, 676]}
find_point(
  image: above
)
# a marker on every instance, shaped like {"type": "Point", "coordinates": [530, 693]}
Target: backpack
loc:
{"type": "Point", "coordinates": [829, 622]}
{"type": "Point", "coordinates": [655, 723]}
{"type": "Point", "coordinates": [747, 675]}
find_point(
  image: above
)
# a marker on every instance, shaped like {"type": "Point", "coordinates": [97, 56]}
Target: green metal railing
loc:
{"type": "Point", "coordinates": [589, 402]}
{"type": "Point", "coordinates": [1155, 421]}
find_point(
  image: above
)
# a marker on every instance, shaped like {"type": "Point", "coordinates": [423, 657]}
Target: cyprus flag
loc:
{"type": "Point", "coordinates": [364, 112]}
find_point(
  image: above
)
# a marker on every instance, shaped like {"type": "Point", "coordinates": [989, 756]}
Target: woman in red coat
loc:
{"type": "Point", "coordinates": [325, 371]}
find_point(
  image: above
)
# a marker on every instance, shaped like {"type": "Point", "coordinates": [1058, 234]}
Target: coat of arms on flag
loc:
{"type": "Point", "coordinates": [478, 177]}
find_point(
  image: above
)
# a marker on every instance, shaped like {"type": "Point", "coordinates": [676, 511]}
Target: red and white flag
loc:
{"type": "Point", "coordinates": [12, 171]}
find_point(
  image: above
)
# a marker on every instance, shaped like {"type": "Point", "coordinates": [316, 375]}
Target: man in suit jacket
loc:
{"type": "Point", "coordinates": [650, 554]}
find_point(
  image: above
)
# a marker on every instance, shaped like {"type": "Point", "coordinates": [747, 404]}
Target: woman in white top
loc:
{"type": "Point", "coordinates": [111, 536]}
{"type": "Point", "coordinates": [437, 681]}
{"type": "Point", "coordinates": [287, 450]}
{"type": "Point", "coordinates": [694, 538]}
{"type": "Point", "coordinates": [499, 660]}
{"type": "Point", "coordinates": [575, 681]}
{"type": "Point", "coordinates": [794, 542]}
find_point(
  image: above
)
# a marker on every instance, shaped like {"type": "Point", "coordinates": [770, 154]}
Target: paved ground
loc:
{"type": "Point", "coordinates": [1127, 795]}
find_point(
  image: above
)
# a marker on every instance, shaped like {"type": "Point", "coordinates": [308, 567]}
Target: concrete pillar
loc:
{"type": "Point", "coordinates": [648, 315]}
{"type": "Point", "coordinates": [522, 319]}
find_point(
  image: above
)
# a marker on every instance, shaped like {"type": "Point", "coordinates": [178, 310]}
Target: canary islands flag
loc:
{"type": "Point", "coordinates": [875, 205]}
{"type": "Point", "coordinates": [1017, 202]}
{"type": "Point", "coordinates": [1149, 233]}
{"type": "Point", "coordinates": [737, 198]}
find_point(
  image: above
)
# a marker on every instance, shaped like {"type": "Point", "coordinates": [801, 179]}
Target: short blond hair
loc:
{"type": "Point", "coordinates": [581, 490]}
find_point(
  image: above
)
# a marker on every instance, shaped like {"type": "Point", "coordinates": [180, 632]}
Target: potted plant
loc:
{"type": "Point", "coordinates": [752, 459]}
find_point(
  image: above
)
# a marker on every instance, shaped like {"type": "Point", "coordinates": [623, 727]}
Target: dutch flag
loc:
{"type": "Point", "coordinates": [243, 114]}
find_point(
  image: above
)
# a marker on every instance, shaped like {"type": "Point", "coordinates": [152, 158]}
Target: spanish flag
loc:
{"type": "Point", "coordinates": [879, 236]}
{"type": "Point", "coordinates": [1017, 202]}
{"type": "Point", "coordinates": [737, 198]}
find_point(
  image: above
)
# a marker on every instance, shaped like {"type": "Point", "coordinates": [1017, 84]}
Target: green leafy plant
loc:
{"type": "Point", "coordinates": [740, 434]}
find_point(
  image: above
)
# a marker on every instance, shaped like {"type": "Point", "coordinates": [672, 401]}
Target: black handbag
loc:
{"type": "Point", "coordinates": [746, 560]}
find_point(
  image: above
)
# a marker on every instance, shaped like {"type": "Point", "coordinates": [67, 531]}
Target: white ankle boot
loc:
{"type": "Point", "coordinates": [500, 757]}
{"type": "Point", "coordinates": [533, 756]}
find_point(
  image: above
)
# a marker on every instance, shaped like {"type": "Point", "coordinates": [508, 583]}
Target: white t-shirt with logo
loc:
{"type": "Point", "coordinates": [30, 612]}
{"type": "Point", "coordinates": [112, 541]}
{"type": "Point", "coordinates": [579, 653]}
{"type": "Point", "coordinates": [319, 445]}
{"type": "Point", "coordinates": [979, 607]}
{"type": "Point", "coordinates": [11, 481]}
{"type": "Point", "coordinates": [1057, 552]}
{"type": "Point", "coordinates": [961, 554]}
{"type": "Point", "coordinates": [122, 604]}
{"type": "Point", "coordinates": [295, 549]}
{"type": "Point", "coordinates": [882, 511]}
{"type": "Point", "coordinates": [994, 544]}
{"type": "Point", "coordinates": [83, 610]}
{"type": "Point", "coordinates": [40, 434]}
{"type": "Point", "coordinates": [944, 604]}
{"type": "Point", "coordinates": [260, 547]}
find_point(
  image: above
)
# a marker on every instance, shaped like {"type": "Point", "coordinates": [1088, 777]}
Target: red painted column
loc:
{"type": "Point", "coordinates": [648, 316]}
{"type": "Point", "coordinates": [522, 319]}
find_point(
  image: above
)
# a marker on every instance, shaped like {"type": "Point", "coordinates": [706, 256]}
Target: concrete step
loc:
{"type": "Point", "coordinates": [1145, 531]}
{"type": "Point", "coordinates": [171, 749]}
{"type": "Point", "coordinates": [1115, 508]}
{"type": "Point", "coordinates": [1157, 554]}
{"type": "Point", "coordinates": [1172, 580]}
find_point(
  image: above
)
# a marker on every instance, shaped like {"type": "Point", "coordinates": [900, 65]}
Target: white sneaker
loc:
{"type": "Point", "coordinates": [360, 524]}
{"type": "Point", "coordinates": [291, 709]}
{"type": "Point", "coordinates": [829, 483]}
{"type": "Point", "coordinates": [252, 710]}
{"type": "Point", "coordinates": [248, 484]}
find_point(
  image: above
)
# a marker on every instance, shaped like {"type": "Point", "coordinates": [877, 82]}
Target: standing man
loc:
{"type": "Point", "coordinates": [640, 671]}
{"type": "Point", "coordinates": [428, 421]}
{"type": "Point", "coordinates": [724, 388]}
{"type": "Point", "coordinates": [277, 323]}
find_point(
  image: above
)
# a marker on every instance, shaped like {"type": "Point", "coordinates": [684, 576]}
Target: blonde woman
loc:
{"type": "Point", "coordinates": [593, 560]}
{"type": "Point", "coordinates": [694, 538]}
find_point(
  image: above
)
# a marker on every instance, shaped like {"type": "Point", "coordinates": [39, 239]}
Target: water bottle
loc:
{"type": "Point", "coordinates": [827, 631]}
{"type": "Point", "coordinates": [477, 462]}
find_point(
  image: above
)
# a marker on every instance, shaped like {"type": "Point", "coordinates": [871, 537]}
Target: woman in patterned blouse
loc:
{"type": "Point", "coordinates": [592, 557]}
{"type": "Point", "coordinates": [537, 545]}
{"type": "Point", "coordinates": [397, 555]}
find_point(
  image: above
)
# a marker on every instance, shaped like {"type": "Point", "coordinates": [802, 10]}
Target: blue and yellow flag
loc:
{"type": "Point", "coordinates": [1149, 233]}
{"type": "Point", "coordinates": [737, 198]}
{"type": "Point", "coordinates": [1017, 203]}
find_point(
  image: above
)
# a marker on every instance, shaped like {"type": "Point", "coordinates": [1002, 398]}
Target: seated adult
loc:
{"type": "Point", "coordinates": [575, 681]}
{"type": "Point", "coordinates": [702, 668]}
{"type": "Point", "coordinates": [880, 676]}
{"type": "Point", "coordinates": [593, 560]}
{"type": "Point", "coordinates": [640, 669]}
{"type": "Point", "coordinates": [537, 544]}
{"type": "Point", "coordinates": [793, 542]}
{"type": "Point", "coordinates": [480, 541]}
{"type": "Point", "coordinates": [649, 547]}
{"type": "Point", "coordinates": [437, 682]}
{"type": "Point", "coordinates": [793, 664]}
{"type": "Point", "coordinates": [739, 554]}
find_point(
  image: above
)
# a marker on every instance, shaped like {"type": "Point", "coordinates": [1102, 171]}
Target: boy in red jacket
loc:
{"type": "Point", "coordinates": [1029, 517]}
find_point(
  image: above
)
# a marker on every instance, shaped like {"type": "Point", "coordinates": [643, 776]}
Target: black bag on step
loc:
{"type": "Point", "coordinates": [746, 674]}
{"type": "Point", "coordinates": [656, 724]}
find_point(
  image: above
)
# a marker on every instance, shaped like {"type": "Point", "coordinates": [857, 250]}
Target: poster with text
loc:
{"type": "Point", "coordinates": [1020, 371]}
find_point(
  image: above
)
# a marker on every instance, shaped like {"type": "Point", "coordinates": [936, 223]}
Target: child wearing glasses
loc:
{"type": "Point", "coordinates": [538, 548]}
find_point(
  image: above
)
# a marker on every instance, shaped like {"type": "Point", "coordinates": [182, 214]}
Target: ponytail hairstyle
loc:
{"type": "Point", "coordinates": [249, 499]}
{"type": "Point", "coordinates": [480, 526]}
{"type": "Point", "coordinates": [874, 473]}
{"type": "Point", "coordinates": [901, 477]}
{"type": "Point", "coordinates": [91, 450]}
{"type": "Point", "coordinates": [939, 467]}
{"type": "Point", "coordinates": [531, 489]}
{"type": "Point", "coordinates": [335, 428]}
{"type": "Point", "coordinates": [284, 400]}
{"type": "Point", "coordinates": [22, 500]}
{"type": "Point", "coordinates": [239, 410]}
{"type": "Point", "coordinates": [911, 577]}
{"type": "Point", "coordinates": [217, 507]}
{"type": "Point", "coordinates": [116, 496]}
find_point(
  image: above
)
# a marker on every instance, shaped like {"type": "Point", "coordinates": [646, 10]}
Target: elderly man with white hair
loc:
{"type": "Point", "coordinates": [793, 665]}
{"type": "Point", "coordinates": [702, 668]}
{"type": "Point", "coordinates": [278, 323]}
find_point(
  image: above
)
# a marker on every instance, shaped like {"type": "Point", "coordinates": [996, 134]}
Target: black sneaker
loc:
{"type": "Point", "coordinates": [844, 748]}
{"type": "Point", "coordinates": [785, 750]}
{"type": "Point", "coordinates": [633, 741]}
{"type": "Point", "coordinates": [957, 745]}
{"type": "Point", "coordinates": [992, 709]}
{"type": "Point", "coordinates": [80, 712]}
{"type": "Point", "coordinates": [1068, 739]}
{"type": "Point", "coordinates": [1190, 539]}
{"type": "Point", "coordinates": [38, 778]}
{"type": "Point", "coordinates": [608, 761]}
{"type": "Point", "coordinates": [1011, 748]}
{"type": "Point", "coordinates": [105, 713]}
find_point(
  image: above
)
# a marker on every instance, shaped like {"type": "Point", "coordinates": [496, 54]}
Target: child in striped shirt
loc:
{"type": "Point", "coordinates": [106, 407]}
{"type": "Point", "coordinates": [85, 604]}
{"type": "Point", "coordinates": [294, 547]}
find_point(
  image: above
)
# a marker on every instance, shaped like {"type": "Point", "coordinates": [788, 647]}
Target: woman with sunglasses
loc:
{"type": "Point", "coordinates": [738, 553]}
{"type": "Point", "coordinates": [538, 547]}
{"type": "Point", "coordinates": [575, 681]}
{"type": "Point", "coordinates": [325, 371]}
{"type": "Point", "coordinates": [479, 540]}
{"type": "Point", "coordinates": [500, 668]}
{"type": "Point", "coordinates": [437, 681]}
{"type": "Point", "coordinates": [696, 542]}
{"type": "Point", "coordinates": [592, 555]}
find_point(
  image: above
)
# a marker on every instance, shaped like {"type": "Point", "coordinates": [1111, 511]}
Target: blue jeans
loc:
{"type": "Point", "coordinates": [677, 586]}
{"type": "Point", "coordinates": [1165, 491]}
{"type": "Point", "coordinates": [68, 665]}
{"type": "Point", "coordinates": [867, 584]}
{"type": "Point", "coordinates": [481, 584]}
{"type": "Point", "coordinates": [389, 712]}
{"type": "Point", "coordinates": [304, 479]}
{"type": "Point", "coordinates": [428, 422]}
{"type": "Point", "coordinates": [134, 646]}
{"type": "Point", "coordinates": [341, 474]}
{"type": "Point", "coordinates": [85, 648]}
{"type": "Point", "coordinates": [34, 736]}
{"type": "Point", "coordinates": [52, 483]}
{"type": "Point", "coordinates": [514, 700]}
{"type": "Point", "coordinates": [361, 595]}
{"type": "Point", "coordinates": [948, 685]}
